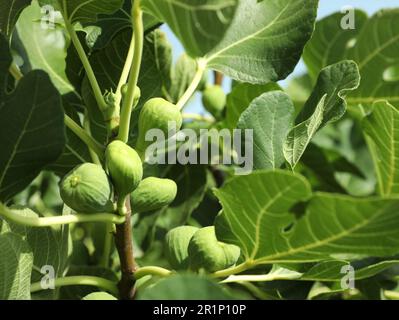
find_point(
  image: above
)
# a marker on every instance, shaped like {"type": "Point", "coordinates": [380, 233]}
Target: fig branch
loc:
{"type": "Point", "coordinates": [198, 117]}
{"type": "Point", "coordinates": [233, 270]}
{"type": "Point", "coordinates": [101, 283]}
{"type": "Point", "coordinates": [125, 72]}
{"type": "Point", "coordinates": [201, 67]}
{"type": "Point", "coordinates": [128, 101]}
{"type": "Point", "coordinates": [87, 66]}
{"type": "Point", "coordinates": [85, 137]}
{"type": "Point", "coordinates": [124, 246]}
{"type": "Point", "coordinates": [86, 125]}
{"type": "Point", "coordinates": [8, 214]}
{"type": "Point", "coordinates": [152, 271]}
{"type": "Point", "coordinates": [108, 239]}
{"type": "Point", "coordinates": [259, 278]}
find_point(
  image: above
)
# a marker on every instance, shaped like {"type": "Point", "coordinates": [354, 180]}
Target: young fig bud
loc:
{"type": "Point", "coordinates": [206, 252]}
{"type": "Point", "coordinates": [152, 194]}
{"type": "Point", "coordinates": [87, 189]}
{"type": "Point", "coordinates": [124, 166]}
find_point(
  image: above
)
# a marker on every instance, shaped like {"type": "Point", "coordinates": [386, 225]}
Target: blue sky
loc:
{"type": "Point", "coordinates": [326, 7]}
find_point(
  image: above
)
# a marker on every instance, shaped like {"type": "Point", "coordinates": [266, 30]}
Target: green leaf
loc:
{"type": "Point", "coordinates": [315, 159]}
{"type": "Point", "coordinates": [15, 267]}
{"type": "Point", "coordinates": [84, 11]}
{"type": "Point", "coordinates": [5, 63]}
{"type": "Point", "coordinates": [376, 55]}
{"type": "Point", "coordinates": [333, 270]}
{"type": "Point", "coordinates": [107, 27]}
{"type": "Point", "coordinates": [256, 217]}
{"type": "Point", "coordinates": [268, 196]}
{"type": "Point", "coordinates": [326, 104]}
{"type": "Point", "coordinates": [265, 40]}
{"type": "Point", "coordinates": [75, 71]}
{"type": "Point", "coordinates": [199, 24]}
{"type": "Point", "coordinates": [240, 97]}
{"type": "Point", "coordinates": [330, 42]}
{"type": "Point", "coordinates": [9, 13]}
{"type": "Point", "coordinates": [75, 152]}
{"type": "Point", "coordinates": [184, 287]}
{"type": "Point", "coordinates": [335, 81]}
{"type": "Point", "coordinates": [270, 116]}
{"type": "Point", "coordinates": [31, 130]}
{"type": "Point", "coordinates": [321, 291]}
{"type": "Point", "coordinates": [44, 243]}
{"type": "Point", "coordinates": [181, 76]}
{"type": "Point", "coordinates": [382, 132]}
{"type": "Point", "coordinates": [300, 136]}
{"type": "Point", "coordinates": [164, 61]}
{"type": "Point", "coordinates": [299, 90]}
{"type": "Point", "coordinates": [42, 48]}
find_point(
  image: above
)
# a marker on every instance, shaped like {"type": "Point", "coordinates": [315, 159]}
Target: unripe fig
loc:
{"type": "Point", "coordinates": [176, 246]}
{"type": "Point", "coordinates": [152, 194]}
{"type": "Point", "coordinates": [99, 296]}
{"type": "Point", "coordinates": [206, 252]}
{"type": "Point", "coordinates": [156, 114]}
{"type": "Point", "coordinates": [124, 166]}
{"type": "Point", "coordinates": [214, 100]}
{"type": "Point", "coordinates": [87, 189]}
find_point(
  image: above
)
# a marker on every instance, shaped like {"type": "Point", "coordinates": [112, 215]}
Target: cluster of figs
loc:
{"type": "Point", "coordinates": [90, 188]}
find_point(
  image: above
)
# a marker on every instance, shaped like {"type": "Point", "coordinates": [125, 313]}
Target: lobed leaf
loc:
{"type": "Point", "coordinates": [326, 104]}
{"type": "Point", "coordinates": [372, 45]}
{"type": "Point", "coordinates": [382, 132]}
{"type": "Point", "coordinates": [256, 217]}
{"type": "Point", "coordinates": [28, 114]}
{"type": "Point", "coordinates": [15, 267]}
{"type": "Point", "coordinates": [269, 47]}
{"type": "Point", "coordinates": [199, 24]}
{"type": "Point", "coordinates": [270, 116]}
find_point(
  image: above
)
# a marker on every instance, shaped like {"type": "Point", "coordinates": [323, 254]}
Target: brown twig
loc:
{"type": "Point", "coordinates": [124, 245]}
{"type": "Point", "coordinates": [218, 78]}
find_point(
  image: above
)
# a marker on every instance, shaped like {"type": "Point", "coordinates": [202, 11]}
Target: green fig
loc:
{"type": "Point", "coordinates": [176, 245]}
{"type": "Point", "coordinates": [99, 296]}
{"type": "Point", "coordinates": [124, 166]}
{"type": "Point", "coordinates": [206, 252]}
{"type": "Point", "coordinates": [156, 114]}
{"type": "Point", "coordinates": [87, 189]}
{"type": "Point", "coordinates": [152, 194]}
{"type": "Point", "coordinates": [214, 100]}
